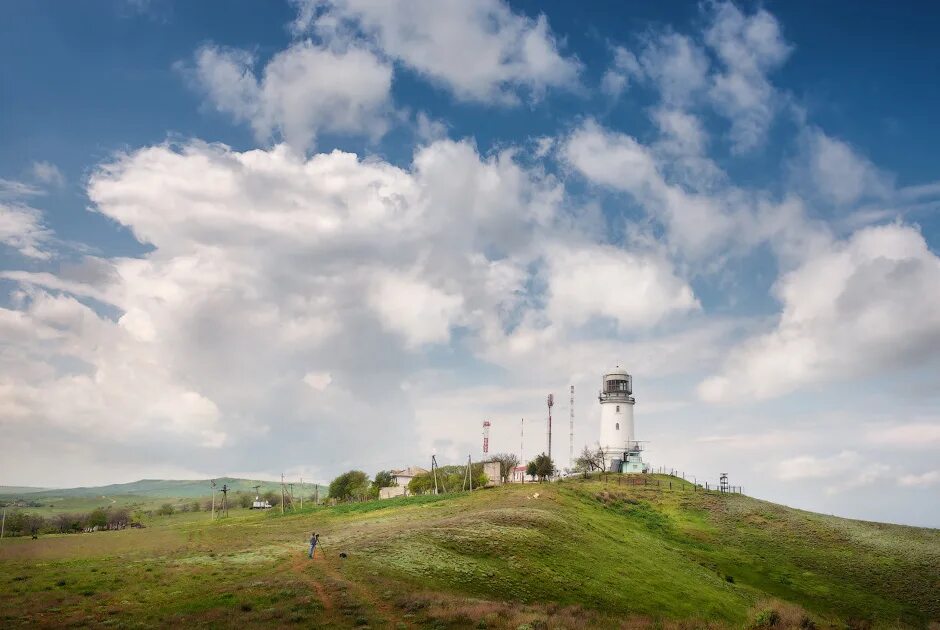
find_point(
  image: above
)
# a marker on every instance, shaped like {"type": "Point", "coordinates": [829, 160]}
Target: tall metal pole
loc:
{"type": "Point", "coordinates": [213, 498]}
{"type": "Point", "coordinates": [571, 437]}
{"type": "Point", "coordinates": [551, 402]}
{"type": "Point", "coordinates": [522, 447]}
{"type": "Point", "coordinates": [3, 523]}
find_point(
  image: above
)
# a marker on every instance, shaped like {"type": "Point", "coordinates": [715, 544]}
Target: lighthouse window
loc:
{"type": "Point", "coordinates": [618, 408]}
{"type": "Point", "coordinates": [618, 426]}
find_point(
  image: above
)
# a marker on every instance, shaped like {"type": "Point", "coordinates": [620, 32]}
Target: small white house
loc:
{"type": "Point", "coordinates": [404, 476]}
{"type": "Point", "coordinates": [517, 475]}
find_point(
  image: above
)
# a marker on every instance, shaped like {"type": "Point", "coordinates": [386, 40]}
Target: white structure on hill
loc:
{"type": "Point", "coordinates": [402, 477]}
{"type": "Point", "coordinates": [622, 453]}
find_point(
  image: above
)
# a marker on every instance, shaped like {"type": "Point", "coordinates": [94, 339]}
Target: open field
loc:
{"type": "Point", "coordinates": [581, 554]}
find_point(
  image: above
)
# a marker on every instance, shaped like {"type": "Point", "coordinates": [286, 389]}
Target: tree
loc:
{"type": "Point", "coordinates": [119, 518]}
{"type": "Point", "coordinates": [383, 479]}
{"type": "Point", "coordinates": [166, 509]}
{"type": "Point", "coordinates": [531, 469]}
{"type": "Point", "coordinates": [590, 460]}
{"type": "Point", "coordinates": [244, 500]}
{"type": "Point", "coordinates": [354, 483]}
{"type": "Point", "coordinates": [507, 461]}
{"type": "Point", "coordinates": [97, 518]}
{"type": "Point", "coordinates": [542, 467]}
{"type": "Point", "coordinates": [272, 497]}
{"type": "Point", "coordinates": [421, 484]}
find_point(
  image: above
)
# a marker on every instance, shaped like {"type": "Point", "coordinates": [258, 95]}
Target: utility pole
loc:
{"type": "Point", "coordinates": [301, 494]}
{"type": "Point", "coordinates": [3, 523]}
{"type": "Point", "coordinates": [224, 499]}
{"type": "Point", "coordinates": [282, 493]}
{"type": "Point", "coordinates": [213, 498]}
{"type": "Point", "coordinates": [434, 472]}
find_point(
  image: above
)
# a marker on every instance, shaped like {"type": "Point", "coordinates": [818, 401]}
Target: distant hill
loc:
{"type": "Point", "coordinates": [7, 490]}
{"type": "Point", "coordinates": [170, 488]}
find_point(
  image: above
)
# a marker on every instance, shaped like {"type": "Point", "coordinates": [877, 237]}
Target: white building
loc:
{"type": "Point", "coordinates": [402, 477]}
{"type": "Point", "coordinates": [622, 453]}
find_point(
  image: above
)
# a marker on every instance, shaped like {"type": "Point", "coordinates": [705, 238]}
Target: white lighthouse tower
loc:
{"type": "Point", "coordinates": [618, 442]}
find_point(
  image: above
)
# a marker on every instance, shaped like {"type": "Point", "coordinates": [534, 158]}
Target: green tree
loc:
{"type": "Point", "coordinates": [166, 509]}
{"type": "Point", "coordinates": [97, 518]}
{"type": "Point", "coordinates": [383, 479]}
{"type": "Point", "coordinates": [421, 484]}
{"type": "Point", "coordinates": [352, 484]}
{"type": "Point", "coordinates": [542, 467]}
{"type": "Point", "coordinates": [507, 461]}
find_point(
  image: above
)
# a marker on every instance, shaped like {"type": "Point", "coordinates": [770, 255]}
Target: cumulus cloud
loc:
{"type": "Point", "coordinates": [479, 51]}
{"type": "Point", "coordinates": [864, 305]}
{"type": "Point", "coordinates": [584, 283]}
{"type": "Point", "coordinates": [302, 91]}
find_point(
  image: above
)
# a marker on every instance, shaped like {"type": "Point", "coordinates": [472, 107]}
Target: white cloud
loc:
{"type": "Point", "coordinates": [839, 173]}
{"type": "Point", "coordinates": [418, 311]}
{"type": "Point", "coordinates": [48, 173]}
{"type": "Point", "coordinates": [930, 478]}
{"type": "Point", "coordinates": [13, 189]}
{"type": "Point", "coordinates": [22, 229]}
{"type": "Point", "coordinates": [676, 65]}
{"type": "Point", "coordinates": [624, 69]}
{"type": "Point", "coordinates": [698, 225]}
{"type": "Point", "coordinates": [480, 50]}
{"type": "Point", "coordinates": [749, 47]}
{"type": "Point", "coordinates": [837, 473]}
{"type": "Point", "coordinates": [587, 282]}
{"type": "Point", "coordinates": [304, 90]}
{"type": "Point", "coordinates": [860, 307]}
{"type": "Point", "coordinates": [911, 435]}
{"type": "Point", "coordinates": [268, 271]}
{"type": "Point", "coordinates": [318, 380]}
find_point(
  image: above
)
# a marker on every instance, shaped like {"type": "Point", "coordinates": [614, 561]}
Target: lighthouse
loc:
{"type": "Point", "coordinates": [622, 453]}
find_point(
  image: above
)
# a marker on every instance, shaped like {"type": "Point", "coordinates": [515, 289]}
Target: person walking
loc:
{"type": "Point", "coordinates": [313, 544]}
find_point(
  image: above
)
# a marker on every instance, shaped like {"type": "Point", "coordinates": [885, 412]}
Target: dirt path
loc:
{"type": "Point", "coordinates": [343, 596]}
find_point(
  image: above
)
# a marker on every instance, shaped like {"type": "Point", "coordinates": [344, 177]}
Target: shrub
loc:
{"type": "Point", "coordinates": [767, 619]}
{"type": "Point", "coordinates": [166, 509]}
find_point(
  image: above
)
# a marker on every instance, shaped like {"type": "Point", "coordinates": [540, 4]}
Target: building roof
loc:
{"type": "Point", "coordinates": [411, 471]}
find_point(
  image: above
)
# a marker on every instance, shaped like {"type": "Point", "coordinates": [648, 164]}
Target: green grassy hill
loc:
{"type": "Point", "coordinates": [570, 555]}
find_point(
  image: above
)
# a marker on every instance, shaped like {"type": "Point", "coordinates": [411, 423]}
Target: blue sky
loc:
{"type": "Point", "coordinates": [299, 237]}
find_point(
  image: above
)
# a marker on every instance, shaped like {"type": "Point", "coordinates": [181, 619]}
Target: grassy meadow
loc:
{"type": "Point", "coordinates": [582, 553]}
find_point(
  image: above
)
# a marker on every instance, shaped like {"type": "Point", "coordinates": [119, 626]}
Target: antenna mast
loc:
{"type": "Point", "coordinates": [486, 438]}
{"type": "Point", "coordinates": [551, 403]}
{"type": "Point", "coordinates": [571, 437]}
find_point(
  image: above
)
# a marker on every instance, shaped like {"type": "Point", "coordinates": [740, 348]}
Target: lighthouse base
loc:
{"type": "Point", "coordinates": [627, 462]}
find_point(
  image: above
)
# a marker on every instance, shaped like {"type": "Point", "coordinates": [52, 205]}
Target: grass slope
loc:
{"type": "Point", "coordinates": [580, 554]}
